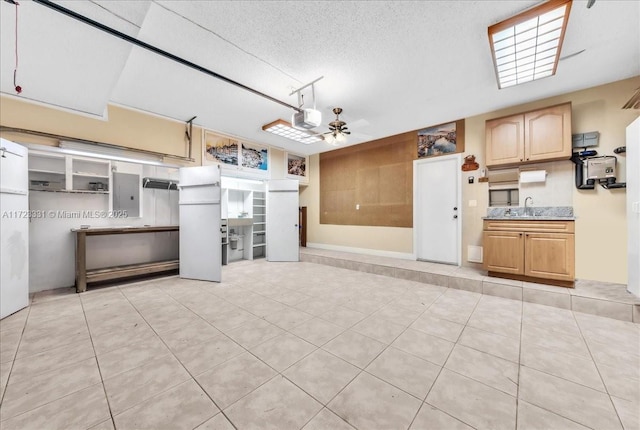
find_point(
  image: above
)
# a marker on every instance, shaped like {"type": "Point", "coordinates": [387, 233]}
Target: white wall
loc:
{"type": "Point", "coordinates": [52, 244]}
{"type": "Point", "coordinates": [633, 205]}
{"type": "Point", "coordinates": [557, 190]}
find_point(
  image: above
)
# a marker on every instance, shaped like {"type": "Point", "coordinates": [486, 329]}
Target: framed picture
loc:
{"type": "Point", "coordinates": [441, 139]}
{"type": "Point", "coordinates": [255, 156]}
{"type": "Point", "coordinates": [219, 149]}
{"type": "Point", "coordinates": [297, 166]}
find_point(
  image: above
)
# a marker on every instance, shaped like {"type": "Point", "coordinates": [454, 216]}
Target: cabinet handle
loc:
{"type": "Point", "coordinates": [521, 159]}
{"type": "Point", "coordinates": [520, 234]}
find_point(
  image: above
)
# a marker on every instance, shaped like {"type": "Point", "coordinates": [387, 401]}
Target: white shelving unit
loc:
{"type": "Point", "coordinates": [244, 206]}
{"type": "Point", "coordinates": [89, 174]}
{"type": "Point", "coordinates": [64, 173]}
{"type": "Point", "coordinates": [259, 225]}
{"type": "Point", "coordinates": [47, 172]}
{"type": "Point", "coordinates": [238, 212]}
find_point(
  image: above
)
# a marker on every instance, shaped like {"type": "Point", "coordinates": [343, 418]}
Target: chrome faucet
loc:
{"type": "Point", "coordinates": [527, 210]}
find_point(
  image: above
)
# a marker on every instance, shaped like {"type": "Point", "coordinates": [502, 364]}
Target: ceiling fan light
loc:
{"type": "Point", "coordinates": [329, 138]}
{"type": "Point", "coordinates": [341, 138]}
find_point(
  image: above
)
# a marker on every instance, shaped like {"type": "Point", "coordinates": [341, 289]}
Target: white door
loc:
{"type": "Point", "coordinates": [282, 220]}
{"type": "Point", "coordinates": [200, 237]}
{"type": "Point", "coordinates": [436, 209]}
{"type": "Point", "coordinates": [14, 228]}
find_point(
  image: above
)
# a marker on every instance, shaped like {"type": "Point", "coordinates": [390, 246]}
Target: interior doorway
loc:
{"type": "Point", "coordinates": [437, 209]}
{"type": "Point", "coordinates": [302, 225]}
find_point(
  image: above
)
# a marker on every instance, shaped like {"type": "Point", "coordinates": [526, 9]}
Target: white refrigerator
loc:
{"type": "Point", "coordinates": [14, 227]}
{"type": "Point", "coordinates": [200, 237]}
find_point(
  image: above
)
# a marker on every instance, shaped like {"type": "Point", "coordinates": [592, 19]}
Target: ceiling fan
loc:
{"type": "Point", "coordinates": [338, 130]}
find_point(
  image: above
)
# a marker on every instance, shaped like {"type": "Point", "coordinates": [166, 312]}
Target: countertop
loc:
{"type": "Point", "coordinates": [125, 229]}
{"type": "Point", "coordinates": [540, 213]}
{"type": "Point", "coordinates": [530, 218]}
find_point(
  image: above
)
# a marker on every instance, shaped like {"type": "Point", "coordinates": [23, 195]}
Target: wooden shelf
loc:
{"type": "Point", "coordinates": [50, 172]}
{"type": "Point", "coordinates": [117, 272]}
{"type": "Point", "coordinates": [90, 175]}
{"type": "Point", "coordinates": [71, 191]}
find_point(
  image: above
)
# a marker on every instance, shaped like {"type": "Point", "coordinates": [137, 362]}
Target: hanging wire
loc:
{"type": "Point", "coordinates": [15, 70]}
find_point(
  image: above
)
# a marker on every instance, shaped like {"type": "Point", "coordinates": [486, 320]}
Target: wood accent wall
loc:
{"type": "Point", "coordinates": [376, 175]}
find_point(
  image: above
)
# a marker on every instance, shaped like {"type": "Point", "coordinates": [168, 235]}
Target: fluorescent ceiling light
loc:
{"type": "Point", "coordinates": [527, 46]}
{"type": "Point", "coordinates": [283, 128]}
{"type": "Point", "coordinates": [68, 151]}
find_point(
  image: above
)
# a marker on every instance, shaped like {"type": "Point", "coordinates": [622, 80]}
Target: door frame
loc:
{"type": "Point", "coordinates": [420, 162]}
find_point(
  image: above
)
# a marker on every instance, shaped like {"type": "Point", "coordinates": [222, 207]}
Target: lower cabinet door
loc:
{"type": "Point", "coordinates": [503, 252]}
{"type": "Point", "coordinates": [550, 255]}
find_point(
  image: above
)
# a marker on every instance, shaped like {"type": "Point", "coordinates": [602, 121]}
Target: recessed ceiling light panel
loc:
{"type": "Point", "coordinates": [527, 46]}
{"type": "Point", "coordinates": [282, 128]}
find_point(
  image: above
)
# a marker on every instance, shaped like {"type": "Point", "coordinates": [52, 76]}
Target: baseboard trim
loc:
{"type": "Point", "coordinates": [376, 252]}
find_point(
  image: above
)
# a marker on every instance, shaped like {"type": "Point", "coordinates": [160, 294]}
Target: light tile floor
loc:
{"type": "Point", "coordinates": [592, 297]}
{"type": "Point", "coordinates": [300, 345]}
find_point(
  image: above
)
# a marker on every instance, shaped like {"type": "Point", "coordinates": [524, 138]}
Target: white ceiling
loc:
{"type": "Point", "coordinates": [392, 66]}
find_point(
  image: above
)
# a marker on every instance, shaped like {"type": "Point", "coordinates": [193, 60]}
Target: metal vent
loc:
{"type": "Point", "coordinates": [159, 184]}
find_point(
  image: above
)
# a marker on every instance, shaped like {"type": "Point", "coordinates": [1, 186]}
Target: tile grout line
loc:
{"type": "Point", "coordinates": [361, 370]}
{"type": "Point", "coordinates": [15, 354]}
{"type": "Point", "coordinates": [95, 355]}
{"type": "Point", "coordinates": [598, 370]}
{"type": "Point", "coordinates": [178, 360]}
{"type": "Point", "coordinates": [453, 274]}
{"type": "Point", "coordinates": [519, 361]}
{"type": "Point", "coordinates": [445, 362]}
{"type": "Point", "coordinates": [231, 339]}
{"type": "Point", "coordinates": [563, 379]}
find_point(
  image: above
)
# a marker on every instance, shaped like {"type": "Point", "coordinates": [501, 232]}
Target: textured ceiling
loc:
{"type": "Point", "coordinates": [392, 66]}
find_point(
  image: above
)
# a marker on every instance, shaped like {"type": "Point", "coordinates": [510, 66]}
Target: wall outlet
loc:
{"type": "Point", "coordinates": [473, 203]}
{"type": "Point", "coordinates": [357, 207]}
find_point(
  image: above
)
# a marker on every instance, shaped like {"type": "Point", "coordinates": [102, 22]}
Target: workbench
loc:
{"type": "Point", "coordinates": [84, 276]}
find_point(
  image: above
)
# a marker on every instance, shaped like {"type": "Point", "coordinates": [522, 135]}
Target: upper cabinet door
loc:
{"type": "Point", "coordinates": [548, 134]}
{"type": "Point", "coordinates": [505, 140]}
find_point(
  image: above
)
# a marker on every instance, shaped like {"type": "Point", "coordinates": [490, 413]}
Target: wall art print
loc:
{"type": "Point", "coordinates": [296, 165]}
{"type": "Point", "coordinates": [441, 139]}
{"type": "Point", "coordinates": [255, 157]}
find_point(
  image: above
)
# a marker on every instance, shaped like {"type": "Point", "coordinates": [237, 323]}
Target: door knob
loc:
{"type": "Point", "coordinates": [455, 216]}
{"type": "Point", "coordinates": [455, 208]}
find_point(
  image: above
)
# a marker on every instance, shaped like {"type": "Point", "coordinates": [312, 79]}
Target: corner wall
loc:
{"type": "Point", "coordinates": [125, 127]}
{"type": "Point", "coordinates": [601, 228]}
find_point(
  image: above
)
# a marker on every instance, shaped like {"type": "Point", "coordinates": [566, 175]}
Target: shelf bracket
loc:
{"type": "Point", "coordinates": [189, 132]}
